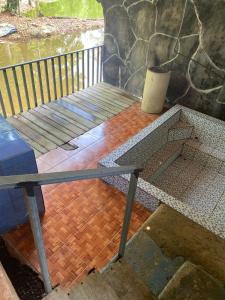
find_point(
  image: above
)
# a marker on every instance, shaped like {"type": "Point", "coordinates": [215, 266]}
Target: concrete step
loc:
{"type": "Point", "coordinates": [180, 131]}
{"type": "Point", "coordinates": [179, 236]}
{"type": "Point", "coordinates": [126, 283]}
{"type": "Point", "coordinates": [57, 294]}
{"type": "Point", "coordinates": [94, 287]}
{"type": "Point", "coordinates": [149, 262]}
{"type": "Point", "coordinates": [192, 282]}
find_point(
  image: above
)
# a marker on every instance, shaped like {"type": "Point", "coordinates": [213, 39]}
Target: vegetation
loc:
{"type": "Point", "coordinates": [13, 6]}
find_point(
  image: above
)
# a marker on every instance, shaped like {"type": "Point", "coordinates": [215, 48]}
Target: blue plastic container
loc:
{"type": "Point", "coordinates": [16, 157]}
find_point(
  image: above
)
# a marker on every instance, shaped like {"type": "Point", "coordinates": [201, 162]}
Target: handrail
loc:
{"type": "Point", "coordinates": [28, 182]}
{"type": "Point", "coordinates": [18, 181]}
{"type": "Point", "coordinates": [29, 84]}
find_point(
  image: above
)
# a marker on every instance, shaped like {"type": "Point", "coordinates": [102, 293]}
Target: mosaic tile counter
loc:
{"type": "Point", "coordinates": [183, 156]}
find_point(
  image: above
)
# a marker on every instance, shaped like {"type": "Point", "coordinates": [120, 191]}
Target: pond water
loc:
{"type": "Point", "coordinates": [18, 52]}
{"type": "Point", "coordinates": [84, 9]}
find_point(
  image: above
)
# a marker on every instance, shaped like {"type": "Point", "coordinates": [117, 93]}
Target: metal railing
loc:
{"type": "Point", "coordinates": [26, 85]}
{"type": "Point", "coordinates": [30, 181]}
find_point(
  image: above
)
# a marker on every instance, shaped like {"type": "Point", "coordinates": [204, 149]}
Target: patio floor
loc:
{"type": "Point", "coordinates": [82, 223]}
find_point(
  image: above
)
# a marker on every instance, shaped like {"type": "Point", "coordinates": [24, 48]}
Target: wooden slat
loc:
{"type": "Point", "coordinates": [58, 119]}
{"type": "Point", "coordinates": [89, 115]}
{"type": "Point", "coordinates": [46, 124]}
{"type": "Point", "coordinates": [53, 124]}
{"type": "Point", "coordinates": [108, 98]}
{"type": "Point", "coordinates": [78, 130]}
{"type": "Point", "coordinates": [69, 114]}
{"type": "Point", "coordinates": [117, 98]}
{"type": "Point", "coordinates": [98, 101]}
{"type": "Point", "coordinates": [32, 134]}
{"type": "Point", "coordinates": [72, 107]}
{"type": "Point", "coordinates": [73, 110]}
{"type": "Point", "coordinates": [38, 129]}
{"type": "Point", "coordinates": [119, 91]}
{"type": "Point", "coordinates": [67, 133]}
{"type": "Point", "coordinates": [79, 104]}
{"type": "Point", "coordinates": [91, 105]}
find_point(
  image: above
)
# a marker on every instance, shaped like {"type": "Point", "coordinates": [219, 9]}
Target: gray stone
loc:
{"type": "Point", "coordinates": [125, 73]}
{"type": "Point", "coordinates": [127, 3]}
{"type": "Point", "coordinates": [211, 15]}
{"type": "Point", "coordinates": [190, 22]}
{"type": "Point", "coordinates": [192, 282]}
{"type": "Point", "coordinates": [106, 4]}
{"type": "Point", "coordinates": [203, 74]}
{"type": "Point", "coordinates": [137, 57]}
{"type": "Point", "coordinates": [142, 18]}
{"type": "Point", "coordinates": [149, 262]}
{"type": "Point", "coordinates": [204, 103]}
{"type": "Point", "coordinates": [177, 86]}
{"type": "Point", "coordinates": [117, 23]}
{"type": "Point", "coordinates": [188, 46]}
{"type": "Point", "coordinates": [170, 14]}
{"type": "Point", "coordinates": [110, 46]}
{"type": "Point", "coordinates": [161, 50]}
{"type": "Point", "coordinates": [111, 70]}
{"type": "Point", "coordinates": [135, 83]}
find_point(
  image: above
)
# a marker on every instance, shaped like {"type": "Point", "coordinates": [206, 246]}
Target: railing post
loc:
{"type": "Point", "coordinates": [128, 212]}
{"type": "Point", "coordinates": [32, 208]}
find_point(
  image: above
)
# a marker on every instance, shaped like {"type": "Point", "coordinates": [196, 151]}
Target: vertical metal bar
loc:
{"type": "Point", "coordinates": [40, 82]}
{"type": "Point", "coordinates": [17, 88]}
{"type": "Point", "coordinates": [47, 79]}
{"type": "Point", "coordinates": [25, 86]}
{"type": "Point", "coordinates": [8, 91]}
{"type": "Point", "coordinates": [101, 63]}
{"type": "Point", "coordinates": [83, 69]}
{"type": "Point", "coordinates": [88, 68]}
{"type": "Point", "coordinates": [98, 64]}
{"type": "Point", "coordinates": [78, 70]}
{"type": "Point", "coordinates": [128, 212]}
{"type": "Point", "coordinates": [72, 72]}
{"type": "Point", "coordinates": [93, 66]}
{"type": "Point", "coordinates": [66, 73]}
{"type": "Point", "coordinates": [60, 76]}
{"type": "Point", "coordinates": [32, 208]}
{"type": "Point", "coordinates": [2, 105]}
{"type": "Point", "coordinates": [33, 84]}
{"type": "Point", "coordinates": [54, 78]}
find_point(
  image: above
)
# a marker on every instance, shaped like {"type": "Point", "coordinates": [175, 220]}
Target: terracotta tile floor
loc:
{"type": "Point", "coordinates": [82, 223]}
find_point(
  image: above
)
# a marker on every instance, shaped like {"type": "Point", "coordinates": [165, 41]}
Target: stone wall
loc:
{"type": "Point", "coordinates": [185, 36]}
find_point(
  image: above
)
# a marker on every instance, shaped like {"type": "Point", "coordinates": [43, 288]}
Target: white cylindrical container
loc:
{"type": "Point", "coordinates": [156, 84]}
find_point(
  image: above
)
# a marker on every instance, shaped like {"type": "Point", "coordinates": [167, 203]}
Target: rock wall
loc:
{"type": "Point", "coordinates": [185, 36]}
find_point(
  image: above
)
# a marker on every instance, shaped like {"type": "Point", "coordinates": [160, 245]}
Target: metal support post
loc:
{"type": "Point", "coordinates": [128, 212]}
{"type": "Point", "coordinates": [32, 208]}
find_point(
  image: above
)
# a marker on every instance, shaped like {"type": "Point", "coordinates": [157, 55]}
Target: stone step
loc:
{"type": "Point", "coordinates": [180, 131]}
{"type": "Point", "coordinates": [180, 236]}
{"type": "Point", "coordinates": [126, 283]}
{"type": "Point", "coordinates": [57, 294]}
{"type": "Point", "coordinates": [94, 287]}
{"type": "Point", "coordinates": [192, 282]}
{"type": "Point", "coordinates": [149, 262]}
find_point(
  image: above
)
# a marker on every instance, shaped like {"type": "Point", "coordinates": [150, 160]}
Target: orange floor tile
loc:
{"type": "Point", "coordinates": [82, 223]}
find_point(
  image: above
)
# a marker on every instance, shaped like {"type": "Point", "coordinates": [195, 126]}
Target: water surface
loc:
{"type": "Point", "coordinates": [84, 9]}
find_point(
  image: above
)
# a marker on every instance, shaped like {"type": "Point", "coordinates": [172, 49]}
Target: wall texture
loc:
{"type": "Point", "coordinates": [185, 36]}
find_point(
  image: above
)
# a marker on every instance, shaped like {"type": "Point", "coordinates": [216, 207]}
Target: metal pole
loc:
{"type": "Point", "coordinates": [32, 208]}
{"type": "Point", "coordinates": [128, 212]}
